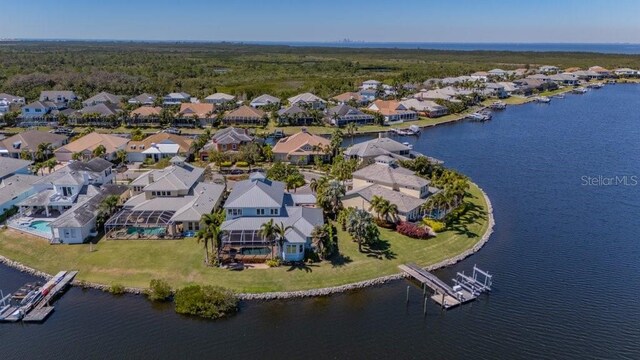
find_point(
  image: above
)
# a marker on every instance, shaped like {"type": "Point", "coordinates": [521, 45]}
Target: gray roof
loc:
{"type": "Point", "coordinates": [231, 135]}
{"type": "Point", "coordinates": [404, 202]}
{"type": "Point", "coordinates": [391, 175]}
{"type": "Point", "coordinates": [220, 96]}
{"type": "Point", "coordinates": [293, 110]}
{"type": "Point", "coordinates": [84, 212]}
{"type": "Point", "coordinates": [144, 98]}
{"type": "Point", "coordinates": [301, 219]}
{"type": "Point", "coordinates": [54, 94]}
{"type": "Point", "coordinates": [15, 99]}
{"type": "Point", "coordinates": [256, 193]}
{"type": "Point", "coordinates": [305, 97]}
{"type": "Point", "coordinates": [376, 147]}
{"type": "Point", "coordinates": [173, 177]}
{"type": "Point", "coordinates": [15, 185]}
{"type": "Point", "coordinates": [95, 165]}
{"type": "Point", "coordinates": [265, 98]}
{"type": "Point", "coordinates": [103, 109]}
{"type": "Point", "coordinates": [103, 97]}
{"type": "Point", "coordinates": [9, 165]}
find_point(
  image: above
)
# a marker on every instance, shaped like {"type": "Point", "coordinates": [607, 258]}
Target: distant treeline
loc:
{"type": "Point", "coordinates": [130, 68]}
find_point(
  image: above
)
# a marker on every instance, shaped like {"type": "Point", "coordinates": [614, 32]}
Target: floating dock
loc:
{"type": "Point", "coordinates": [35, 306]}
{"type": "Point", "coordinates": [466, 288]}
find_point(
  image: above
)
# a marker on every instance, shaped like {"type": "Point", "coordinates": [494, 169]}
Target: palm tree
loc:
{"type": "Point", "coordinates": [43, 151]}
{"type": "Point", "coordinates": [268, 233]}
{"type": "Point", "coordinates": [99, 151]}
{"type": "Point", "coordinates": [203, 235]}
{"type": "Point", "coordinates": [375, 202]}
{"type": "Point", "coordinates": [351, 129]}
{"type": "Point", "coordinates": [332, 194]}
{"type": "Point", "coordinates": [358, 225]}
{"type": "Point", "coordinates": [50, 165]}
{"type": "Point", "coordinates": [76, 156]}
{"type": "Point", "coordinates": [281, 231]}
{"type": "Point", "coordinates": [319, 236]}
{"type": "Point", "coordinates": [121, 156]}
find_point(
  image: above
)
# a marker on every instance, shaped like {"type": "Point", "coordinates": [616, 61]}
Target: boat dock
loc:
{"type": "Point", "coordinates": [36, 305]}
{"type": "Point", "coordinates": [466, 288]}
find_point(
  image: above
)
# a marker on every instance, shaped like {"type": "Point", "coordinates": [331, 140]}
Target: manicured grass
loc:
{"type": "Point", "coordinates": [135, 262]}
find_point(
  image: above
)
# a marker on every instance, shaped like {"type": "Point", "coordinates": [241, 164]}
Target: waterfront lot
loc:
{"type": "Point", "coordinates": [135, 262]}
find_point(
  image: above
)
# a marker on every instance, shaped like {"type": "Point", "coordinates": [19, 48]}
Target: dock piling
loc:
{"type": "Point", "coordinates": [407, 294]}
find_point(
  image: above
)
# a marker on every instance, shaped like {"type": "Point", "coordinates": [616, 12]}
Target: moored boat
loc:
{"type": "Point", "coordinates": [542, 99]}
{"type": "Point", "coordinates": [579, 90]}
{"type": "Point", "coordinates": [498, 105]}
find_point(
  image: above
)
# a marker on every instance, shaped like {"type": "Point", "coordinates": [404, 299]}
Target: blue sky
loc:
{"type": "Point", "coordinates": [595, 21]}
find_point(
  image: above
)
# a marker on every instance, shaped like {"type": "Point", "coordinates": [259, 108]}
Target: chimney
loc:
{"type": "Point", "coordinates": [150, 177]}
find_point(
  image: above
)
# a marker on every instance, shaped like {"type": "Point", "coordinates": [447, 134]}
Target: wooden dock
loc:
{"type": "Point", "coordinates": [66, 280]}
{"type": "Point", "coordinates": [444, 295]}
{"type": "Point", "coordinates": [38, 315]}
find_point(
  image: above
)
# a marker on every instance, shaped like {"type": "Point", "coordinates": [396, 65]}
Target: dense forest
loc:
{"type": "Point", "coordinates": [200, 69]}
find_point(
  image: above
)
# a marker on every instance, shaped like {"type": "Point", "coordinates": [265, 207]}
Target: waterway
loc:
{"type": "Point", "coordinates": [563, 179]}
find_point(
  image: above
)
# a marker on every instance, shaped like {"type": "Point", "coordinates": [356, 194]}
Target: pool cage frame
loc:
{"type": "Point", "coordinates": [116, 227]}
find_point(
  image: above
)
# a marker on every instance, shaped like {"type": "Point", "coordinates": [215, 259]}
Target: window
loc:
{"type": "Point", "coordinates": [274, 211]}
{"type": "Point", "coordinates": [260, 211]}
{"type": "Point", "coordinates": [291, 249]}
{"type": "Point", "coordinates": [234, 212]}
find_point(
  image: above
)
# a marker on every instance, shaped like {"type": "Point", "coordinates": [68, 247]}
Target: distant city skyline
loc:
{"type": "Point", "coordinates": [465, 21]}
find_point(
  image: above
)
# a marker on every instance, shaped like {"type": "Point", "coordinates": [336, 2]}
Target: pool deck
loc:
{"type": "Point", "coordinates": [18, 222]}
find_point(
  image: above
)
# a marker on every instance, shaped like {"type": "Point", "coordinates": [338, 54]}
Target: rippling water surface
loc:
{"type": "Point", "coordinates": [565, 258]}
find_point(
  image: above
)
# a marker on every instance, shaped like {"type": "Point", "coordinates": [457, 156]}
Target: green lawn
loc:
{"type": "Point", "coordinates": [135, 262]}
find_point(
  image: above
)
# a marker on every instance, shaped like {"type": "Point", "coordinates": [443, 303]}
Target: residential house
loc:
{"type": "Point", "coordinates": [15, 188]}
{"type": "Point", "coordinates": [245, 115]}
{"type": "Point", "coordinates": [548, 69]}
{"type": "Point", "coordinates": [200, 112]}
{"type": "Point", "coordinates": [256, 201]}
{"type": "Point", "coordinates": [38, 109]}
{"type": "Point", "coordinates": [370, 84]}
{"type": "Point", "coordinates": [497, 73]}
{"type": "Point", "coordinates": [624, 72]}
{"type": "Point", "coordinates": [448, 93]}
{"type": "Point", "coordinates": [400, 186]}
{"type": "Point", "coordinates": [28, 141]}
{"type": "Point", "coordinates": [295, 115]}
{"type": "Point", "coordinates": [265, 100]}
{"type": "Point", "coordinates": [393, 111]}
{"type": "Point", "coordinates": [219, 99]}
{"type": "Point", "coordinates": [308, 100]}
{"type": "Point", "coordinates": [371, 149]}
{"type": "Point", "coordinates": [10, 166]}
{"type": "Point", "coordinates": [144, 116]}
{"type": "Point", "coordinates": [477, 76]}
{"type": "Point", "coordinates": [565, 79]}
{"type": "Point", "coordinates": [143, 99]}
{"type": "Point", "coordinates": [587, 75]}
{"type": "Point", "coordinates": [88, 143]}
{"type": "Point", "coordinates": [103, 98]}
{"type": "Point", "coordinates": [351, 97]}
{"type": "Point", "coordinates": [101, 114]}
{"type": "Point", "coordinates": [601, 71]}
{"type": "Point", "coordinates": [79, 223]}
{"type": "Point", "coordinates": [480, 75]}
{"type": "Point", "coordinates": [158, 146]}
{"type": "Point", "coordinates": [425, 107]}
{"type": "Point", "coordinates": [227, 139]}
{"type": "Point", "coordinates": [491, 89]}
{"type": "Point", "coordinates": [301, 148]}
{"type": "Point", "coordinates": [59, 191]}
{"type": "Point", "coordinates": [541, 77]}
{"type": "Point", "coordinates": [176, 98]}
{"type": "Point", "coordinates": [508, 86]}
{"type": "Point", "coordinates": [342, 114]}
{"type": "Point", "coordinates": [60, 98]}
{"type": "Point", "coordinates": [529, 86]}
{"type": "Point", "coordinates": [167, 202]}
{"type": "Point", "coordinates": [12, 99]}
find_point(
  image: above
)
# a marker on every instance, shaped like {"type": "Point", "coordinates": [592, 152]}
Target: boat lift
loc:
{"type": "Point", "coordinates": [480, 281]}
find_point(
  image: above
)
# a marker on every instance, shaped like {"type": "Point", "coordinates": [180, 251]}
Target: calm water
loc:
{"type": "Point", "coordinates": [565, 258]}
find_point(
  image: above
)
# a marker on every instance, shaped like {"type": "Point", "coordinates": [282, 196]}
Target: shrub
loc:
{"type": "Point", "coordinates": [116, 289]}
{"type": "Point", "coordinates": [159, 290]}
{"type": "Point", "coordinates": [242, 164]}
{"type": "Point", "coordinates": [205, 301]}
{"type": "Point", "coordinates": [411, 230]}
{"type": "Point", "coordinates": [435, 225]}
{"type": "Point", "coordinates": [273, 262]}
{"type": "Point", "coordinates": [225, 164]}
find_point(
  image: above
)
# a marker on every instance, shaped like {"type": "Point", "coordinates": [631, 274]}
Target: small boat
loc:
{"type": "Point", "coordinates": [415, 129]}
{"type": "Point", "coordinates": [611, 82]}
{"type": "Point", "coordinates": [479, 116]}
{"type": "Point", "coordinates": [542, 99]}
{"type": "Point", "coordinates": [559, 96]}
{"type": "Point", "coordinates": [408, 145]}
{"type": "Point", "coordinates": [401, 132]}
{"type": "Point", "coordinates": [498, 105]}
{"type": "Point", "coordinates": [579, 90]}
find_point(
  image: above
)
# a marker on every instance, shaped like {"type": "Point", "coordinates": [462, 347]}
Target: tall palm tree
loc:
{"type": "Point", "coordinates": [43, 151]}
{"type": "Point", "coordinates": [351, 129]}
{"type": "Point", "coordinates": [281, 231]}
{"type": "Point", "coordinates": [203, 235]}
{"type": "Point", "coordinates": [358, 224]}
{"type": "Point", "coordinates": [268, 233]}
{"type": "Point", "coordinates": [50, 164]}
{"type": "Point", "coordinates": [375, 202]}
{"type": "Point", "coordinates": [99, 151]}
{"type": "Point", "coordinates": [318, 237]}
{"type": "Point", "coordinates": [332, 195]}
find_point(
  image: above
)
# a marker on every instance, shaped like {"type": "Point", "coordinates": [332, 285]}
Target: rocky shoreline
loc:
{"type": "Point", "coordinates": [290, 294]}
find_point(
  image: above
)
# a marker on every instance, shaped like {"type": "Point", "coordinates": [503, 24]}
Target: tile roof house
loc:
{"type": "Point", "coordinates": [342, 114]}
{"type": "Point", "coordinates": [10, 166]}
{"type": "Point", "coordinates": [425, 107]}
{"type": "Point", "coordinates": [245, 115]}
{"type": "Point", "coordinates": [394, 183]}
{"type": "Point", "coordinates": [102, 98]}
{"type": "Point", "coordinates": [227, 139]}
{"type": "Point", "coordinates": [264, 100]}
{"type": "Point", "coordinates": [86, 144]}
{"type": "Point", "coordinates": [548, 69]}
{"type": "Point", "coordinates": [308, 100]}
{"type": "Point", "coordinates": [204, 112]}
{"type": "Point", "coordinates": [143, 99]}
{"type": "Point", "coordinates": [158, 146]}
{"type": "Point", "coordinates": [170, 200]}
{"type": "Point", "coordinates": [60, 98]}
{"type": "Point", "coordinates": [176, 98]}
{"type": "Point", "coordinates": [256, 201]}
{"type": "Point", "coordinates": [301, 148]}
{"type": "Point", "coordinates": [370, 84]}
{"type": "Point", "coordinates": [348, 97]}
{"type": "Point", "coordinates": [565, 79]}
{"type": "Point", "coordinates": [144, 116]}
{"type": "Point", "coordinates": [98, 114]}
{"type": "Point", "coordinates": [393, 111]}
{"type": "Point", "coordinates": [29, 141]}
{"type": "Point", "coordinates": [617, 72]}
{"type": "Point", "coordinates": [219, 98]}
{"type": "Point", "coordinates": [369, 150]}
{"type": "Point", "coordinates": [295, 115]}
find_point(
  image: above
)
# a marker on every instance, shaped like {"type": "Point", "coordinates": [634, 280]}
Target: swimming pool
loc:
{"type": "Point", "coordinates": [41, 226]}
{"type": "Point", "coordinates": [146, 231]}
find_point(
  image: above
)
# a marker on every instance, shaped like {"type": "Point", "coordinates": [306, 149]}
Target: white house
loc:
{"type": "Point", "coordinates": [626, 72]}
{"type": "Point", "coordinates": [265, 100]}
{"type": "Point", "coordinates": [219, 98]}
{"type": "Point", "coordinates": [176, 98]}
{"type": "Point", "coordinates": [370, 84]}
